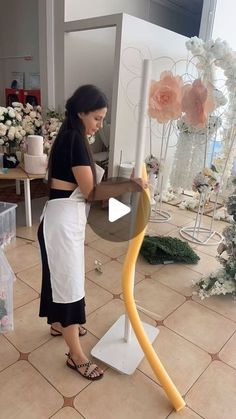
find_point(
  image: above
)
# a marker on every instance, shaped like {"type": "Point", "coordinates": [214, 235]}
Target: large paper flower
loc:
{"type": "Point", "coordinates": [198, 101]}
{"type": "Point", "coordinates": [165, 98]}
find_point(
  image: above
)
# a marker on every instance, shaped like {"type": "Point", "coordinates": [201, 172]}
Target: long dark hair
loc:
{"type": "Point", "coordinates": [86, 98]}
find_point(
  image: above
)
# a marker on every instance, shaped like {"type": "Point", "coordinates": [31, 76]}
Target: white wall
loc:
{"type": "Point", "coordinates": [19, 36]}
{"type": "Point", "coordinates": [141, 40]}
{"type": "Point", "coordinates": [89, 58]}
{"type": "Point", "coordinates": [75, 9]}
{"type": "Point", "coordinates": [224, 22]}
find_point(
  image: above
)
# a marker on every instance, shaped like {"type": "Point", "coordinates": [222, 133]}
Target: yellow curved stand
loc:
{"type": "Point", "coordinates": [127, 284]}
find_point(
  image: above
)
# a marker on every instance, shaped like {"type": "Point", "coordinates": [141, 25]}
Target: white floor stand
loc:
{"type": "Point", "coordinates": [115, 351]}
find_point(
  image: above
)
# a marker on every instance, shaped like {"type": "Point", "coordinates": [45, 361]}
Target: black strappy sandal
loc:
{"type": "Point", "coordinates": [55, 332]}
{"type": "Point", "coordinates": [88, 375]}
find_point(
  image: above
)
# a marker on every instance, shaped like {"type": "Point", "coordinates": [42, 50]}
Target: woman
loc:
{"type": "Point", "coordinates": [72, 180]}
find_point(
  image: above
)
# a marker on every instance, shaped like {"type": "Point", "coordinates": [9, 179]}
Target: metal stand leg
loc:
{"type": "Point", "coordinates": [28, 214]}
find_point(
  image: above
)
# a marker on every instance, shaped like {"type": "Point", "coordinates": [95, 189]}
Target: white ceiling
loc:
{"type": "Point", "coordinates": [192, 6]}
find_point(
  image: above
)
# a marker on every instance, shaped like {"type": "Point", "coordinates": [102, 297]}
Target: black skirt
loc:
{"type": "Point", "coordinates": [66, 313]}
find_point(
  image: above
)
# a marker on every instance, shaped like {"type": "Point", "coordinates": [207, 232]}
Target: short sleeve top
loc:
{"type": "Point", "coordinates": [69, 151]}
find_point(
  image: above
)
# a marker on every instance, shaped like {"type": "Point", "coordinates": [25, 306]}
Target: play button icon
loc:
{"type": "Point", "coordinates": [116, 210]}
{"type": "Point", "coordinates": [115, 219]}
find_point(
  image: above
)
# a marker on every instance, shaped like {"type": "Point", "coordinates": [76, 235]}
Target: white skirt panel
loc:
{"type": "Point", "coordinates": [64, 233]}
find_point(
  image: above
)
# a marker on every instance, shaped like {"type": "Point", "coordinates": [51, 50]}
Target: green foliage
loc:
{"type": "Point", "coordinates": [157, 249]}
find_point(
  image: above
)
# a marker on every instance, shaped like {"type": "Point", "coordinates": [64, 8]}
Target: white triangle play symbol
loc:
{"type": "Point", "coordinates": [116, 210]}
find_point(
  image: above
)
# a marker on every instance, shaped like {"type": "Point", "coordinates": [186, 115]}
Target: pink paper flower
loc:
{"type": "Point", "coordinates": [165, 97]}
{"type": "Point", "coordinates": [197, 103]}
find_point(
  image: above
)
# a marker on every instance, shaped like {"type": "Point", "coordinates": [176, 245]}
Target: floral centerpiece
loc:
{"type": "Point", "coordinates": [31, 120]}
{"type": "Point", "coordinates": [11, 129]}
{"type": "Point", "coordinates": [223, 281]}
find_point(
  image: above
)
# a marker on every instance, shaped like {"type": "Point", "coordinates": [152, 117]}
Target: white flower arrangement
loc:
{"type": "Point", "coordinates": [50, 128]}
{"type": "Point", "coordinates": [223, 281]}
{"type": "Point", "coordinates": [11, 130]}
{"type": "Point", "coordinates": [206, 181]}
{"type": "Point", "coordinates": [218, 53]}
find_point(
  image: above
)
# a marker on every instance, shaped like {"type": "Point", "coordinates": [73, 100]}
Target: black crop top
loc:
{"type": "Point", "coordinates": [69, 151]}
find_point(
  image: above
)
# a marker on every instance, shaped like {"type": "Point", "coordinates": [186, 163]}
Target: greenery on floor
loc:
{"type": "Point", "coordinates": [159, 249]}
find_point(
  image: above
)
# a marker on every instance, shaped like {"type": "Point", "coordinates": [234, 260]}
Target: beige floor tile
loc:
{"type": "Point", "coordinates": [103, 319]}
{"type": "Point", "coordinates": [32, 277]}
{"type": "Point", "coordinates": [35, 244]}
{"type": "Point", "coordinates": [22, 257]}
{"type": "Point", "coordinates": [222, 304]}
{"type": "Point", "coordinates": [186, 213]}
{"type": "Point", "coordinates": [157, 298]}
{"type": "Point", "coordinates": [179, 219]}
{"type": "Point", "coordinates": [143, 266]}
{"type": "Point", "coordinates": [201, 326]}
{"type": "Point", "coordinates": [213, 396]}
{"type": "Point", "coordinates": [22, 293]}
{"type": "Point", "coordinates": [29, 233]}
{"type": "Point", "coordinates": [90, 235]}
{"type": "Point", "coordinates": [110, 248]}
{"type": "Point", "coordinates": [206, 264]}
{"type": "Point", "coordinates": [30, 331]}
{"type": "Point", "coordinates": [209, 250]}
{"type": "Point", "coordinates": [120, 396]}
{"type": "Point", "coordinates": [177, 354]}
{"type": "Point", "coordinates": [95, 296]}
{"type": "Point", "coordinates": [8, 354]}
{"type": "Point", "coordinates": [67, 413]}
{"type": "Point", "coordinates": [228, 353]}
{"type": "Point", "coordinates": [16, 242]}
{"type": "Point", "coordinates": [111, 277]}
{"type": "Point", "coordinates": [50, 360]}
{"type": "Point", "coordinates": [26, 394]}
{"type": "Point", "coordinates": [159, 229]}
{"type": "Point", "coordinates": [177, 277]}
{"type": "Point", "coordinates": [185, 413]}
{"type": "Point", "coordinates": [91, 255]}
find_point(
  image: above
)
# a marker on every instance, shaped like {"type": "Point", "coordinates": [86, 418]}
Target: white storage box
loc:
{"type": "Point", "coordinates": [7, 222]}
{"type": "Point", "coordinates": [6, 294]}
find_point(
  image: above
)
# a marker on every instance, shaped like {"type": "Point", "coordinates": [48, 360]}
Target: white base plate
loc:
{"type": "Point", "coordinates": [123, 356]}
{"type": "Point", "coordinates": [201, 235]}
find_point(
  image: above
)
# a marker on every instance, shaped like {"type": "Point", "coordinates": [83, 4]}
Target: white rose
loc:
{"type": "Point", "coordinates": [2, 118]}
{"type": "Point", "coordinates": [3, 129]}
{"type": "Point", "coordinates": [37, 123]}
{"type": "Point", "coordinates": [2, 110]}
{"type": "Point", "coordinates": [11, 113]}
{"type": "Point", "coordinates": [32, 114]}
{"type": "Point", "coordinates": [1, 141]}
{"type": "Point", "coordinates": [11, 133]}
{"type": "Point", "coordinates": [18, 117]}
{"type": "Point", "coordinates": [8, 123]}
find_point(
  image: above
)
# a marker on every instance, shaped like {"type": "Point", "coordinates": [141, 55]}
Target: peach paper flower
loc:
{"type": "Point", "coordinates": [165, 97]}
{"type": "Point", "coordinates": [198, 101]}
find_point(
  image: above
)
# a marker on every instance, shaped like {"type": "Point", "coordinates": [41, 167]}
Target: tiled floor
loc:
{"type": "Point", "coordinates": [196, 343]}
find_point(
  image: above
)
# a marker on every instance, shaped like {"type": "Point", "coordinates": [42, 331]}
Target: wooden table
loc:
{"type": "Point", "coordinates": [18, 174]}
